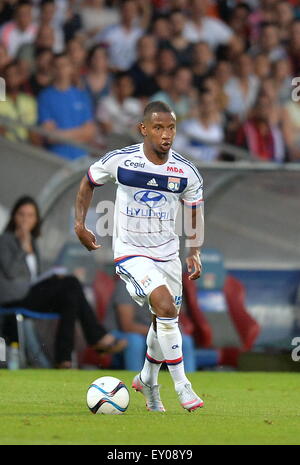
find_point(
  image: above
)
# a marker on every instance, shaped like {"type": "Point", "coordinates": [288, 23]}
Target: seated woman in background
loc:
{"type": "Point", "coordinates": [19, 268]}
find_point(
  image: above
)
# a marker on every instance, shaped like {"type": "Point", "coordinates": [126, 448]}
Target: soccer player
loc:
{"type": "Point", "coordinates": [152, 179]}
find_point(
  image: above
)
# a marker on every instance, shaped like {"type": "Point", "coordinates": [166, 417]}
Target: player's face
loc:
{"type": "Point", "coordinates": [160, 131]}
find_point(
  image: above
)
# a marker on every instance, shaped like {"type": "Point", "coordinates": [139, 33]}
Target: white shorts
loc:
{"type": "Point", "coordinates": [142, 275]}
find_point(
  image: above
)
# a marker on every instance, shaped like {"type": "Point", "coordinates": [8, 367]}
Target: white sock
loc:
{"type": "Point", "coordinates": [153, 360]}
{"type": "Point", "coordinates": [170, 341]}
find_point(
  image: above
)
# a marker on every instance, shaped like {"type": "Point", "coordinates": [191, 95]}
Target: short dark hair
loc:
{"type": "Point", "coordinates": [23, 3]}
{"type": "Point", "coordinates": [40, 50]}
{"type": "Point", "coordinates": [92, 51]}
{"type": "Point", "coordinates": [25, 200]}
{"type": "Point", "coordinates": [59, 55]}
{"type": "Point", "coordinates": [156, 107]}
{"type": "Point", "coordinates": [120, 75]}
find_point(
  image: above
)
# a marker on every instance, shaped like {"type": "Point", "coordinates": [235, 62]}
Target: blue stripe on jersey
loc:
{"type": "Point", "coordinates": [183, 160]}
{"type": "Point", "coordinates": [126, 150]}
{"type": "Point", "coordinates": [138, 289]}
{"type": "Point", "coordinates": [143, 180]}
{"type": "Point", "coordinates": [135, 256]}
{"type": "Point", "coordinates": [120, 270]}
{"type": "Point", "coordinates": [112, 154]}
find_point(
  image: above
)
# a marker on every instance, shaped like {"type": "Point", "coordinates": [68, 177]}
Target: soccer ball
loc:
{"type": "Point", "coordinates": [107, 395]}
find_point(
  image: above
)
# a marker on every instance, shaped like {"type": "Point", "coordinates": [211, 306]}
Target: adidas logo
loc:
{"type": "Point", "coordinates": [152, 182]}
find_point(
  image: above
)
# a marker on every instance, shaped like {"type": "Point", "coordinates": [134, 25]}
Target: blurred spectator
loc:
{"type": "Point", "coordinates": [265, 12]}
{"type": "Point", "coordinates": [242, 88]}
{"type": "Point", "coordinates": [281, 72]}
{"type": "Point", "coordinates": [212, 86]}
{"type": "Point", "coordinates": [269, 43]}
{"type": "Point", "coordinates": [47, 17]}
{"type": "Point", "coordinates": [77, 54]}
{"type": "Point", "coordinates": [182, 48]}
{"type": "Point", "coordinates": [7, 10]}
{"type": "Point", "coordinates": [164, 81]}
{"type": "Point", "coordinates": [232, 50]}
{"type": "Point", "coordinates": [144, 70]}
{"type": "Point", "coordinates": [119, 112]}
{"type": "Point", "coordinates": [202, 63]}
{"type": "Point", "coordinates": [27, 52]}
{"type": "Point", "coordinates": [72, 24]}
{"type": "Point", "coordinates": [4, 58]}
{"type": "Point", "coordinates": [17, 106]}
{"type": "Point", "coordinates": [66, 111]}
{"type": "Point", "coordinates": [96, 16]}
{"type": "Point", "coordinates": [180, 94]}
{"type": "Point", "coordinates": [23, 286]}
{"type": "Point", "coordinates": [166, 61]}
{"type": "Point", "coordinates": [223, 73]}
{"type": "Point", "coordinates": [163, 7]}
{"type": "Point", "coordinates": [294, 47]}
{"type": "Point", "coordinates": [259, 135]}
{"type": "Point", "coordinates": [285, 17]}
{"type": "Point", "coordinates": [234, 47]}
{"type": "Point", "coordinates": [203, 27]}
{"type": "Point", "coordinates": [291, 128]}
{"type": "Point", "coordinates": [160, 27]}
{"type": "Point", "coordinates": [200, 136]}
{"type": "Point", "coordinates": [276, 108]}
{"type": "Point", "coordinates": [20, 30]}
{"type": "Point", "coordinates": [42, 75]}
{"type": "Point", "coordinates": [262, 66]}
{"type": "Point", "coordinates": [239, 21]}
{"type": "Point", "coordinates": [127, 320]}
{"type": "Point", "coordinates": [61, 11]}
{"type": "Point", "coordinates": [98, 79]}
{"type": "Point", "coordinates": [122, 38]}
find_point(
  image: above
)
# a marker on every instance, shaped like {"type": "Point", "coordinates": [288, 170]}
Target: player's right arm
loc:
{"type": "Point", "coordinates": [98, 174]}
{"type": "Point", "coordinates": [83, 201]}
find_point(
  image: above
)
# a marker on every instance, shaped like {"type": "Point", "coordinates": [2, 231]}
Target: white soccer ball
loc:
{"type": "Point", "coordinates": [107, 395]}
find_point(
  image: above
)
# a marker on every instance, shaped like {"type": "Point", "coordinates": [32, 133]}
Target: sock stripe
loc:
{"type": "Point", "coordinates": [152, 360]}
{"type": "Point", "coordinates": [174, 362]}
{"type": "Point", "coordinates": [168, 319]}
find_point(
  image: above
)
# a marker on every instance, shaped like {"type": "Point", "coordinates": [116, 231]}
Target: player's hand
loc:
{"type": "Point", "coordinates": [87, 238]}
{"type": "Point", "coordinates": [194, 265]}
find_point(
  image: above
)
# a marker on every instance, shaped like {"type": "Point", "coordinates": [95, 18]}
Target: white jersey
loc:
{"type": "Point", "coordinates": [147, 200]}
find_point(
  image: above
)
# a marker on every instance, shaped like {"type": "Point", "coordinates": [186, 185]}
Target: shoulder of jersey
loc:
{"type": "Point", "coordinates": [185, 163]}
{"type": "Point", "coordinates": [115, 155]}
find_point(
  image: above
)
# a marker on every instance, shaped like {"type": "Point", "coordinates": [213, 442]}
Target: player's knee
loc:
{"type": "Point", "coordinates": [166, 309]}
{"type": "Point", "coordinates": [163, 303]}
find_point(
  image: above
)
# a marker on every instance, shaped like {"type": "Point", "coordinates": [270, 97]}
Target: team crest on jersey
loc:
{"type": "Point", "coordinates": [173, 184]}
{"type": "Point", "coordinates": [146, 281]}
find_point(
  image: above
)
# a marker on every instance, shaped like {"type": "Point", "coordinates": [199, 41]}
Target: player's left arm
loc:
{"type": "Point", "coordinates": [194, 222]}
{"type": "Point", "coordinates": [195, 237]}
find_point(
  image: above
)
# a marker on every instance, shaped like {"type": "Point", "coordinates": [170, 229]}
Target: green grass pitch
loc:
{"type": "Point", "coordinates": [49, 407]}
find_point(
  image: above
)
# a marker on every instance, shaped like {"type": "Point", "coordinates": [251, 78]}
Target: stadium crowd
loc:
{"type": "Point", "coordinates": [84, 69]}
